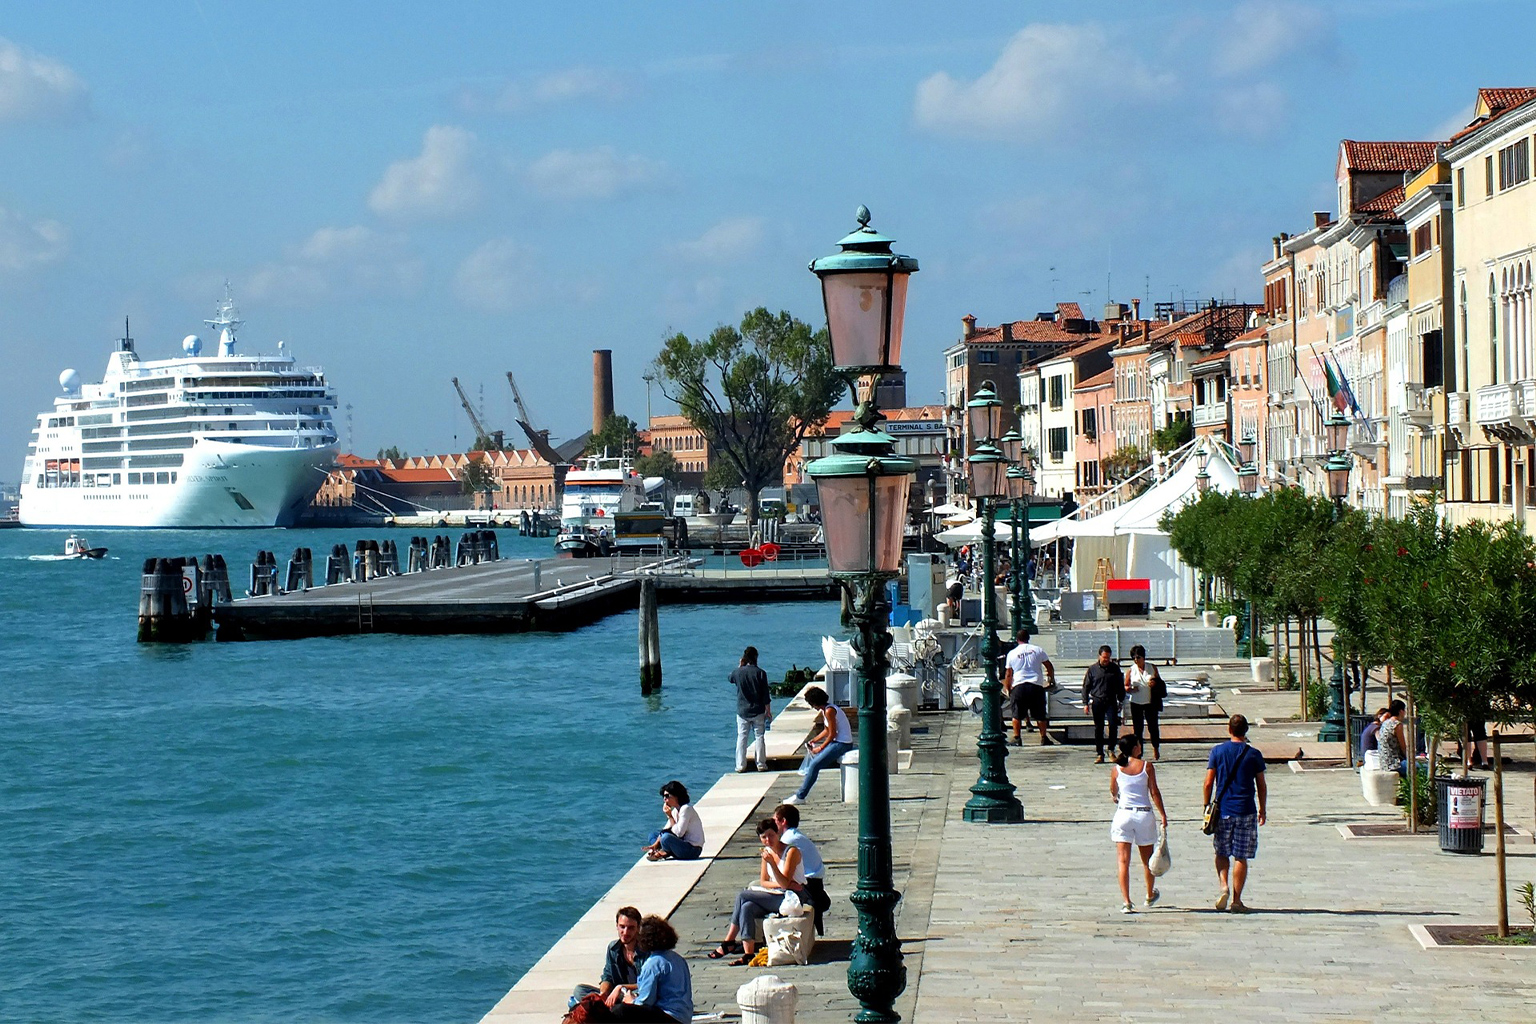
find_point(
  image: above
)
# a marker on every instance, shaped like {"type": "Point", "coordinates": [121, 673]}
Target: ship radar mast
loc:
{"type": "Point", "coordinates": [125, 343]}
{"type": "Point", "coordinates": [226, 318]}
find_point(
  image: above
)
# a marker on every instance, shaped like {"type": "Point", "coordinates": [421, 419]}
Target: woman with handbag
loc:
{"type": "Point", "coordinates": [1147, 690]}
{"type": "Point", "coordinates": [1133, 786]}
{"type": "Point", "coordinates": [780, 874]}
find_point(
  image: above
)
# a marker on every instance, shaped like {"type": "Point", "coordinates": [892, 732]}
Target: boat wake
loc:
{"type": "Point", "coordinates": [64, 558]}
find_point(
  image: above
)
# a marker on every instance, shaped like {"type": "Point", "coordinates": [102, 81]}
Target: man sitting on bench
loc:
{"type": "Point", "coordinates": [787, 817]}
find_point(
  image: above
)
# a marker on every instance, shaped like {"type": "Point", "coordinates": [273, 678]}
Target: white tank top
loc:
{"type": "Point", "coordinates": [1133, 790]}
{"type": "Point", "coordinates": [842, 733]}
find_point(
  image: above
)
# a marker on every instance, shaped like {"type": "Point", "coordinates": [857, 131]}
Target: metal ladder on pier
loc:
{"type": "Point", "coordinates": [365, 613]}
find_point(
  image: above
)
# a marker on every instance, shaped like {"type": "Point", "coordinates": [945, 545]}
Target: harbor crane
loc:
{"type": "Point", "coordinates": [560, 456]}
{"type": "Point", "coordinates": [495, 437]}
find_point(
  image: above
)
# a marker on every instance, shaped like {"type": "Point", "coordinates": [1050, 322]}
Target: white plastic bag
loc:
{"type": "Point", "coordinates": [790, 906]}
{"type": "Point", "coordinates": [1161, 861]}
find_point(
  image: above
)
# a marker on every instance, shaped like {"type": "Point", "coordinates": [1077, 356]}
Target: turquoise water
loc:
{"type": "Point", "coordinates": [352, 829]}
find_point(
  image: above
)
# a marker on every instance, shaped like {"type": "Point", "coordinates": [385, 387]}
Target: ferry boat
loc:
{"type": "Point", "coordinates": [198, 441]}
{"type": "Point", "coordinates": [604, 511]}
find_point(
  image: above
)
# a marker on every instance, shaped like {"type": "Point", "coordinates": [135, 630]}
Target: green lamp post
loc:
{"type": "Point", "coordinates": [993, 799]}
{"type": "Point", "coordinates": [1011, 445]}
{"type": "Point", "coordinates": [863, 490]}
{"type": "Point", "coordinates": [1021, 490]}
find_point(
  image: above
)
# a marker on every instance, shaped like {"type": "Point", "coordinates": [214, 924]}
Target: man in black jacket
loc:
{"type": "Point", "coordinates": [753, 710]}
{"type": "Point", "coordinates": [1103, 693]}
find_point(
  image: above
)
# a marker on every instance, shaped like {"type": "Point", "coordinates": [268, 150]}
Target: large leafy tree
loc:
{"type": "Point", "coordinates": [753, 391]}
{"type": "Point", "coordinates": [618, 435]}
{"type": "Point", "coordinates": [659, 463]}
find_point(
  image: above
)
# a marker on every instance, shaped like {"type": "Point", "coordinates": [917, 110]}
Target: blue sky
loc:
{"type": "Point", "coordinates": [410, 192]}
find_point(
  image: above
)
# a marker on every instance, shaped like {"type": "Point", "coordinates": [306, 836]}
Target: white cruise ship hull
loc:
{"type": "Point", "coordinates": [218, 485]}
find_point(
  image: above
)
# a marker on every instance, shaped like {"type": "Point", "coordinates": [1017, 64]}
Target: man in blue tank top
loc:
{"type": "Point", "coordinates": [1235, 775]}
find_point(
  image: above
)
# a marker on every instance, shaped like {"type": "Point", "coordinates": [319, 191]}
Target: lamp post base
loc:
{"type": "Point", "coordinates": [993, 810]}
{"type": "Point", "coordinates": [1332, 730]}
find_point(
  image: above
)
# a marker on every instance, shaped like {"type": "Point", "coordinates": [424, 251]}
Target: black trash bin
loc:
{"type": "Point", "coordinates": [1460, 804]}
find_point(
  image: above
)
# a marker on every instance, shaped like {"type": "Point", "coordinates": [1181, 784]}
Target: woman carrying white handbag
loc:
{"type": "Point", "coordinates": [1133, 786]}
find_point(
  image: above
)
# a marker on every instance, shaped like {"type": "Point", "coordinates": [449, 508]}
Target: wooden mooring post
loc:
{"type": "Point", "coordinates": [650, 638]}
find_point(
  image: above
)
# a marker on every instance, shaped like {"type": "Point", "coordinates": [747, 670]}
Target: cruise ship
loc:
{"type": "Point", "coordinates": [196, 441]}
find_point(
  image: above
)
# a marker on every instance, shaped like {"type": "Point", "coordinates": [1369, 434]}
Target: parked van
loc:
{"type": "Point", "coordinates": [683, 506]}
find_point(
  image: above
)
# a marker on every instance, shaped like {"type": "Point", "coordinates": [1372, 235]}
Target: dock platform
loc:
{"type": "Point", "coordinates": [507, 596]}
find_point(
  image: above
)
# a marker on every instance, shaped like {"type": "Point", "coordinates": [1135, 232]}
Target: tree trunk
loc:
{"type": "Point", "coordinates": [1301, 652]}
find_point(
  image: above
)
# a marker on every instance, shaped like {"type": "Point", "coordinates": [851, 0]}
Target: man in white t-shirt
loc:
{"type": "Point", "coordinates": [1030, 674]}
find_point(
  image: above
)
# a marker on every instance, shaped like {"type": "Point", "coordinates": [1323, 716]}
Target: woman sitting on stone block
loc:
{"type": "Point", "coordinates": [781, 872]}
{"type": "Point", "coordinates": [683, 836]}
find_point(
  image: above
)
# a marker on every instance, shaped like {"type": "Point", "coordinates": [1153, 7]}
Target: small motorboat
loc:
{"type": "Point", "coordinates": [78, 547]}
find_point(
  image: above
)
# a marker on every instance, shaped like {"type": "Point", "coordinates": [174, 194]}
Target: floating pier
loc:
{"type": "Point", "coordinates": [438, 586]}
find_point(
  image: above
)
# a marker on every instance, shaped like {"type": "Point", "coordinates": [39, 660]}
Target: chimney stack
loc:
{"type": "Point", "coordinates": [1276, 243]}
{"type": "Point", "coordinates": [1321, 218]}
{"type": "Point", "coordinates": [602, 387]}
{"type": "Point", "coordinates": [968, 326]}
{"type": "Point", "coordinates": [1135, 309]}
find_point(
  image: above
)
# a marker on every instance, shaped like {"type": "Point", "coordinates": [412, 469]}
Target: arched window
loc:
{"type": "Point", "coordinates": [1493, 330]}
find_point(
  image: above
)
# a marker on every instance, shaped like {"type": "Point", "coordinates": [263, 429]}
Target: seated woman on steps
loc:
{"type": "Point", "coordinates": [683, 836]}
{"type": "Point", "coordinates": [781, 872]}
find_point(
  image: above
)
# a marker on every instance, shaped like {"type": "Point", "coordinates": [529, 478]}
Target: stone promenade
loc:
{"type": "Point", "coordinates": [1023, 923]}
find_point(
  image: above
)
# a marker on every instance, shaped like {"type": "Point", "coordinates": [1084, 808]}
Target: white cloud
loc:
{"type": "Point", "coordinates": [338, 261]}
{"type": "Point", "coordinates": [1044, 74]}
{"type": "Point", "coordinates": [567, 86]}
{"type": "Point", "coordinates": [25, 244]}
{"type": "Point", "coordinates": [501, 275]}
{"type": "Point", "coordinates": [38, 88]}
{"type": "Point", "coordinates": [735, 238]}
{"type": "Point", "coordinates": [591, 174]}
{"type": "Point", "coordinates": [1261, 33]}
{"type": "Point", "coordinates": [441, 182]}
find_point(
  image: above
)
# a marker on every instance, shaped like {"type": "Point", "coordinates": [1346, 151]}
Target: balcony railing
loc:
{"type": "Point", "coordinates": [1211, 414]}
{"type": "Point", "coordinates": [1416, 407]}
{"type": "Point", "coordinates": [1505, 411]}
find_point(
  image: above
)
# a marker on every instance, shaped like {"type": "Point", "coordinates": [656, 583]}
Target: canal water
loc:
{"type": "Point", "coordinates": [349, 829]}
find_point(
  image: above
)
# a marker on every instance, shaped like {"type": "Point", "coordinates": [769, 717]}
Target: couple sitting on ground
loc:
{"type": "Point", "coordinates": [643, 977]}
{"type": "Point", "coordinates": [790, 864]}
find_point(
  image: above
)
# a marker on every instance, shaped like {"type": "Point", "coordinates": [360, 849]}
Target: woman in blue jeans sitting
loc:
{"type": "Point", "coordinates": [833, 741]}
{"type": "Point", "coordinates": [683, 838]}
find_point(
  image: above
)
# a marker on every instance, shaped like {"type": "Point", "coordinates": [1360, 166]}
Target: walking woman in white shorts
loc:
{"type": "Point", "coordinates": [1133, 785]}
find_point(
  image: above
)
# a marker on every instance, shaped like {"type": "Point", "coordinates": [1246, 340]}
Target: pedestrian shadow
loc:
{"type": "Point", "coordinates": [831, 951]}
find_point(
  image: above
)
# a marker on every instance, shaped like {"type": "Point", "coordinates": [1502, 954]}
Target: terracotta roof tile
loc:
{"type": "Point", "coordinates": [1098, 380]}
{"type": "Point", "coordinates": [1069, 311]}
{"type": "Point", "coordinates": [1388, 156]}
{"type": "Point", "coordinates": [1493, 102]}
{"type": "Point", "coordinates": [1387, 202]}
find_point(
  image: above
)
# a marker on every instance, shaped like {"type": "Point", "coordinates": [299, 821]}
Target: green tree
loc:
{"type": "Point", "coordinates": [752, 391]}
{"type": "Point", "coordinates": [392, 453]}
{"type": "Point", "coordinates": [659, 463]}
{"type": "Point", "coordinates": [476, 477]}
{"type": "Point", "coordinates": [619, 435]}
{"type": "Point", "coordinates": [1124, 463]}
{"type": "Point", "coordinates": [1175, 435]}
{"type": "Point", "coordinates": [487, 443]}
{"type": "Point", "coordinates": [720, 477]}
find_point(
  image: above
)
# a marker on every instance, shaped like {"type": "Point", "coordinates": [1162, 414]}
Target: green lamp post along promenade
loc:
{"type": "Point", "coordinates": [863, 493]}
{"type": "Point", "coordinates": [992, 797]}
{"type": "Point", "coordinates": [1020, 489]}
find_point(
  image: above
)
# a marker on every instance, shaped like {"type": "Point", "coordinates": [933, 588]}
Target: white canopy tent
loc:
{"type": "Point", "coordinates": [970, 533]}
{"type": "Point", "coordinates": [1129, 535]}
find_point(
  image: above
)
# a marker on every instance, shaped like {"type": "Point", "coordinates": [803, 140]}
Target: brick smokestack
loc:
{"type": "Point", "coordinates": [602, 387]}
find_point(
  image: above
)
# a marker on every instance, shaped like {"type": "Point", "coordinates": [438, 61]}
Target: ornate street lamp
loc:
{"type": "Point", "coordinates": [863, 493]}
{"type": "Point", "coordinates": [1021, 487]}
{"type": "Point", "coordinates": [1336, 427]}
{"type": "Point", "coordinates": [1011, 445]}
{"type": "Point", "coordinates": [1203, 478]}
{"type": "Point", "coordinates": [993, 799]}
{"type": "Point", "coordinates": [1337, 468]}
{"type": "Point", "coordinates": [984, 415]}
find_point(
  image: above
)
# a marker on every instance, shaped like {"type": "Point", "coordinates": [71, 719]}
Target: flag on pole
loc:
{"type": "Point", "coordinates": [1338, 392]}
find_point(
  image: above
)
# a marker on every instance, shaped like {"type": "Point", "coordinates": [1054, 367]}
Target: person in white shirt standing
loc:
{"type": "Point", "coordinates": [1029, 676]}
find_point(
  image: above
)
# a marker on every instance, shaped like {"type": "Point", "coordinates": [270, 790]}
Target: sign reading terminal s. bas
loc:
{"type": "Point", "coordinates": [899, 427]}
